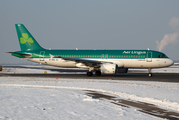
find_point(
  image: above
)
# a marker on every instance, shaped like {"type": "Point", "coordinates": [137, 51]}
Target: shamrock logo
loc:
{"type": "Point", "coordinates": [25, 38]}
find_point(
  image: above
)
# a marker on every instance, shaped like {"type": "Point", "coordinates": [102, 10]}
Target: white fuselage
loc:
{"type": "Point", "coordinates": [125, 63]}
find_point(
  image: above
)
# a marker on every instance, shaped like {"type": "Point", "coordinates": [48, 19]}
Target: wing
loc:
{"type": "Point", "coordinates": [90, 63]}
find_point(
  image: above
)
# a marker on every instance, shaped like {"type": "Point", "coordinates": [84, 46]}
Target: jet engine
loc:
{"type": "Point", "coordinates": [108, 68]}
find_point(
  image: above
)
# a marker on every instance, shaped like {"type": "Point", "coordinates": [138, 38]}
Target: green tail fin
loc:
{"type": "Point", "coordinates": [26, 40]}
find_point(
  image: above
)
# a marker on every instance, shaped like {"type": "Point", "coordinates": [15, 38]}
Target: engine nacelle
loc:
{"type": "Point", "coordinates": [122, 70]}
{"type": "Point", "coordinates": [108, 68]}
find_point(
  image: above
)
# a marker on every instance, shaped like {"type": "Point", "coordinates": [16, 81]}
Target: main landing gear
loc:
{"type": "Point", "coordinates": [98, 73]}
{"type": "Point", "coordinates": [150, 74]}
{"type": "Point", "coordinates": [89, 73]}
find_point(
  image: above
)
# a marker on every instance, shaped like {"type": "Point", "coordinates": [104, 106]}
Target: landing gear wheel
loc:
{"type": "Point", "coordinates": [150, 75]}
{"type": "Point", "coordinates": [89, 74]}
{"type": "Point", "coordinates": [98, 73]}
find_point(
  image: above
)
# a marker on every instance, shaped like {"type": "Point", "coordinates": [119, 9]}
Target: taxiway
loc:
{"type": "Point", "coordinates": [162, 77]}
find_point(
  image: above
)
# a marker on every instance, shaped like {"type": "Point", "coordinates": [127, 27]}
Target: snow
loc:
{"type": "Point", "coordinates": [50, 98]}
{"type": "Point", "coordinates": [47, 98]}
{"type": "Point", "coordinates": [39, 69]}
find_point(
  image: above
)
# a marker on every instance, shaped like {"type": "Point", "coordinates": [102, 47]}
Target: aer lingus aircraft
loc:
{"type": "Point", "coordinates": [100, 61]}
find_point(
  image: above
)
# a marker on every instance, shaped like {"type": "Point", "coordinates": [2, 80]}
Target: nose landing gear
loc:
{"type": "Point", "coordinates": [150, 74]}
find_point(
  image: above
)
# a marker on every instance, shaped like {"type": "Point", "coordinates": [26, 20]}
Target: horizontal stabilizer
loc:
{"type": "Point", "coordinates": [21, 54]}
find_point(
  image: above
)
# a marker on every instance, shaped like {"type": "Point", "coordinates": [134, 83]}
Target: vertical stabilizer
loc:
{"type": "Point", "coordinates": [26, 40]}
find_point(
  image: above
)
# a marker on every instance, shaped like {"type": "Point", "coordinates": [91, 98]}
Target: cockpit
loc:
{"type": "Point", "coordinates": [162, 56]}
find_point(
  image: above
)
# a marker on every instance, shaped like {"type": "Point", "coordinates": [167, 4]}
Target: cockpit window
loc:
{"type": "Point", "coordinates": [162, 56]}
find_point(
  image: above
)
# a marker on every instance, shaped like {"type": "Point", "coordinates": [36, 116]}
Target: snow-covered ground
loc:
{"type": "Point", "coordinates": [39, 69]}
{"type": "Point", "coordinates": [52, 98]}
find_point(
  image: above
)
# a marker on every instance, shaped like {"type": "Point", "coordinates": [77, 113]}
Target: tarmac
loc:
{"type": "Point", "coordinates": [161, 77]}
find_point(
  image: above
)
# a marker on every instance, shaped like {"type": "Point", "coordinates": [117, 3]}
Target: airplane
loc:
{"type": "Point", "coordinates": [100, 61]}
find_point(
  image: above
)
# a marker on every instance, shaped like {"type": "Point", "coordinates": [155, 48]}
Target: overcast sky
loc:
{"type": "Point", "coordinates": [91, 24]}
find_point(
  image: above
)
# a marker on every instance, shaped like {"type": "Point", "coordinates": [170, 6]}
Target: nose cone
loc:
{"type": "Point", "coordinates": [170, 62]}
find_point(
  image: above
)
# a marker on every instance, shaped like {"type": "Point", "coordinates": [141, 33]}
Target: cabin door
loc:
{"type": "Point", "coordinates": [41, 56]}
{"type": "Point", "coordinates": [149, 56]}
